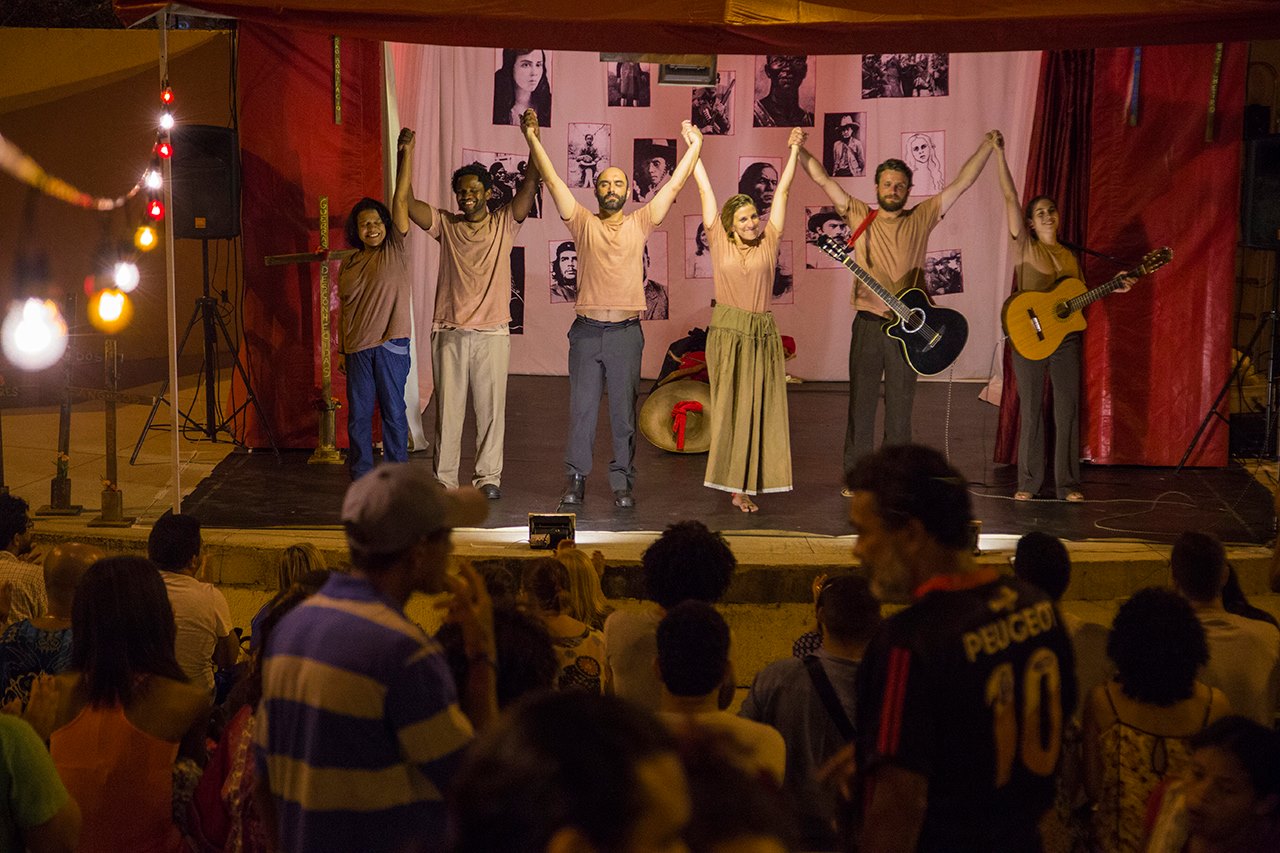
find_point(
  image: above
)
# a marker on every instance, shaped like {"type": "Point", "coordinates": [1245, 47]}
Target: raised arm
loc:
{"type": "Point", "coordinates": [403, 204]}
{"type": "Point", "coordinates": [665, 197]}
{"type": "Point", "coordinates": [538, 159]}
{"type": "Point", "coordinates": [1012, 209]}
{"type": "Point", "coordinates": [710, 209]}
{"type": "Point", "coordinates": [969, 172]}
{"type": "Point", "coordinates": [778, 213]}
{"type": "Point", "coordinates": [523, 202]}
{"type": "Point", "coordinates": [825, 182]}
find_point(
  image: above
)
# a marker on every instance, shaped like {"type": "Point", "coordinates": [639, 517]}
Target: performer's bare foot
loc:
{"type": "Point", "coordinates": [744, 503]}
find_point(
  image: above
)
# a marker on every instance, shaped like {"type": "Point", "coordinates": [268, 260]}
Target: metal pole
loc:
{"type": "Point", "coordinates": [112, 514]}
{"type": "Point", "coordinates": [60, 485]}
{"type": "Point", "coordinates": [175, 490]}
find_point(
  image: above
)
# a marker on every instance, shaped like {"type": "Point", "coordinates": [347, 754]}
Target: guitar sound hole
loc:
{"type": "Point", "coordinates": [1061, 311]}
{"type": "Point", "coordinates": [914, 322]}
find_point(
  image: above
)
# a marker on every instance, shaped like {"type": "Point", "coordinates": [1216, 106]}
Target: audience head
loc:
{"type": "Point", "coordinates": [693, 649]}
{"type": "Point", "coordinates": [1042, 561]}
{"type": "Point", "coordinates": [15, 524]}
{"type": "Point", "coordinates": [1234, 600]}
{"type": "Point", "coordinates": [174, 544]}
{"type": "Point", "coordinates": [296, 561]}
{"type": "Point", "coordinates": [733, 810]}
{"type": "Point", "coordinates": [1158, 646]}
{"type": "Point", "coordinates": [64, 565]}
{"type": "Point", "coordinates": [121, 628]}
{"type": "Point", "coordinates": [1233, 782]}
{"type": "Point", "coordinates": [687, 561]}
{"type": "Point", "coordinates": [1199, 566]}
{"type": "Point", "coordinates": [586, 599]}
{"type": "Point", "coordinates": [545, 585]}
{"type": "Point", "coordinates": [571, 771]}
{"type": "Point", "coordinates": [526, 657]}
{"type": "Point", "coordinates": [847, 610]}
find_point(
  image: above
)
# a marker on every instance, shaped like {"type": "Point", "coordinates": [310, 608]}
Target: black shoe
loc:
{"type": "Point", "coordinates": [491, 491]}
{"type": "Point", "coordinates": [574, 489]}
{"type": "Point", "coordinates": [623, 499]}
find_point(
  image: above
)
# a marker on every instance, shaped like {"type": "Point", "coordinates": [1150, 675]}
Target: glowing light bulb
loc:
{"type": "Point", "coordinates": [127, 276]}
{"type": "Point", "coordinates": [166, 96]}
{"type": "Point", "coordinates": [152, 179]}
{"type": "Point", "coordinates": [145, 238]}
{"type": "Point", "coordinates": [110, 310]}
{"type": "Point", "coordinates": [155, 209]}
{"type": "Point", "coordinates": [166, 120]}
{"type": "Point", "coordinates": [110, 306]}
{"type": "Point", "coordinates": [164, 149]}
{"type": "Point", "coordinates": [34, 335]}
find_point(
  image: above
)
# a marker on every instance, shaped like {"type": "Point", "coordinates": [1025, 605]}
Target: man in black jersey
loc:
{"type": "Point", "coordinates": [962, 695]}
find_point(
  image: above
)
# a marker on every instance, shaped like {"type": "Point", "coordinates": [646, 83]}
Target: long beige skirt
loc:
{"type": "Point", "coordinates": [750, 434]}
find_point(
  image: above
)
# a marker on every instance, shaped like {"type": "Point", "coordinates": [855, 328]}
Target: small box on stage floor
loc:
{"type": "Point", "coordinates": [546, 529]}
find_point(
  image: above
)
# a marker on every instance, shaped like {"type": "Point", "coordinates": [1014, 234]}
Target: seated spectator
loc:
{"type": "Point", "coordinates": [1136, 727]}
{"type": "Point", "coordinates": [295, 561]}
{"type": "Point", "coordinates": [571, 771]}
{"type": "Point", "coordinates": [42, 645]}
{"type": "Point", "coordinates": [544, 589]}
{"type": "Point", "coordinates": [123, 709]}
{"type": "Point", "coordinates": [733, 811]}
{"type": "Point", "coordinates": [527, 659]}
{"type": "Point", "coordinates": [204, 638]}
{"type": "Point", "coordinates": [812, 703]}
{"type": "Point", "coordinates": [1244, 653]}
{"type": "Point", "coordinates": [810, 641]}
{"type": "Point", "coordinates": [1234, 600]}
{"type": "Point", "coordinates": [686, 561]}
{"type": "Point", "coordinates": [1229, 797]}
{"type": "Point", "coordinates": [693, 665]}
{"type": "Point", "coordinates": [19, 562]}
{"type": "Point", "coordinates": [36, 812]}
{"type": "Point", "coordinates": [586, 599]}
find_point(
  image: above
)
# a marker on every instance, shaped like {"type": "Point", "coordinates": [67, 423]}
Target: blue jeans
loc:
{"type": "Point", "coordinates": [377, 373]}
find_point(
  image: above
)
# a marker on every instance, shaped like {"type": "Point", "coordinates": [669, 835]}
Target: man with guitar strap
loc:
{"type": "Point", "coordinates": [891, 248]}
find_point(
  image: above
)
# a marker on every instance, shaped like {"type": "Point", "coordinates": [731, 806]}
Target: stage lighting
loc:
{"type": "Point", "coordinates": [34, 335]}
{"type": "Point", "coordinates": [145, 238]}
{"type": "Point", "coordinates": [152, 179]}
{"type": "Point", "coordinates": [110, 310]}
{"type": "Point", "coordinates": [126, 276]}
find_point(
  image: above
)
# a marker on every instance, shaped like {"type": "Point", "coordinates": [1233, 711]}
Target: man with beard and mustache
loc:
{"type": "Point", "coordinates": [605, 341]}
{"type": "Point", "coordinates": [470, 332]}
{"type": "Point", "coordinates": [781, 106]}
{"type": "Point", "coordinates": [889, 244]}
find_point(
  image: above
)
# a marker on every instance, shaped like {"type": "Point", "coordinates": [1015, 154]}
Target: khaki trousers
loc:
{"type": "Point", "coordinates": [462, 360]}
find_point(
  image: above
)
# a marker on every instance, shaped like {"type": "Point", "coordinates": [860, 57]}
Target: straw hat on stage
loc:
{"type": "Point", "coordinates": [680, 399]}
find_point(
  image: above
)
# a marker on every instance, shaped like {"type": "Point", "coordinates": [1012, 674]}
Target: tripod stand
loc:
{"type": "Point", "coordinates": [211, 323]}
{"type": "Point", "coordinates": [1271, 321]}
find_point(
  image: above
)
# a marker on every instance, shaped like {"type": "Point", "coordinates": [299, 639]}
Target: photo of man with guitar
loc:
{"type": "Point", "coordinates": [896, 329]}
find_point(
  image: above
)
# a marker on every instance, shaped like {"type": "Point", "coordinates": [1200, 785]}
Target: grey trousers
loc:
{"type": "Point", "coordinates": [1063, 369]}
{"type": "Point", "coordinates": [462, 360]}
{"type": "Point", "coordinates": [604, 357]}
{"type": "Point", "coordinates": [873, 355]}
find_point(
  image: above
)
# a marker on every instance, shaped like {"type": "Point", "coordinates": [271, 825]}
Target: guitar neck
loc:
{"type": "Point", "coordinates": [894, 303]}
{"type": "Point", "coordinates": [1092, 295]}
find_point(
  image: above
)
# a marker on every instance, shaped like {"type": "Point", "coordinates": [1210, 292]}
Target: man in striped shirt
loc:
{"type": "Point", "coordinates": [361, 726]}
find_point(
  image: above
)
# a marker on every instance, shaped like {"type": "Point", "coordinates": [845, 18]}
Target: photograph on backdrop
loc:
{"type": "Point", "coordinates": [905, 75]}
{"type": "Point", "coordinates": [924, 151]}
{"type": "Point", "coordinates": [506, 171]}
{"type": "Point", "coordinates": [819, 222]}
{"type": "Point", "coordinates": [697, 249]}
{"type": "Point", "coordinates": [758, 178]}
{"type": "Point", "coordinates": [564, 271]}
{"type": "Point", "coordinates": [590, 146]}
{"type": "Point", "coordinates": [712, 111]}
{"type": "Point", "coordinates": [943, 272]}
{"type": "Point", "coordinates": [656, 303]}
{"type": "Point", "coordinates": [654, 160]}
{"type": "Point", "coordinates": [628, 83]}
{"type": "Point", "coordinates": [521, 82]}
{"type": "Point", "coordinates": [517, 290]}
{"type": "Point", "coordinates": [843, 154]}
{"type": "Point", "coordinates": [785, 92]}
{"type": "Point", "coordinates": [784, 280]}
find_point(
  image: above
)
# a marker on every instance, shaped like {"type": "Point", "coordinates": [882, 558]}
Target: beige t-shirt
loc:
{"type": "Point", "coordinates": [373, 289]}
{"type": "Point", "coordinates": [896, 250]}
{"type": "Point", "coordinates": [202, 617]}
{"type": "Point", "coordinates": [473, 290]}
{"type": "Point", "coordinates": [610, 259]}
{"type": "Point", "coordinates": [1040, 266]}
{"type": "Point", "coordinates": [743, 274]}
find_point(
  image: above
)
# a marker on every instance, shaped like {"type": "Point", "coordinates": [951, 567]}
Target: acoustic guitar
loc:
{"type": "Point", "coordinates": [1036, 321]}
{"type": "Point", "coordinates": [931, 337]}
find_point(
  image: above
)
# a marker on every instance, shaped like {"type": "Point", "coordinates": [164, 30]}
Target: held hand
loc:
{"type": "Point", "coordinates": [529, 123]}
{"type": "Point", "coordinates": [35, 555]}
{"type": "Point", "coordinates": [797, 138]}
{"type": "Point", "coordinates": [691, 134]}
{"type": "Point", "coordinates": [996, 139]}
{"type": "Point", "coordinates": [471, 608]}
{"type": "Point", "coordinates": [818, 580]}
{"type": "Point", "coordinates": [837, 772]}
{"type": "Point", "coordinates": [406, 140]}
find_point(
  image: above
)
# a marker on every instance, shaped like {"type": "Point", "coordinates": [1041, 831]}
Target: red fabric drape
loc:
{"type": "Point", "coordinates": [292, 153]}
{"type": "Point", "coordinates": [1155, 358]}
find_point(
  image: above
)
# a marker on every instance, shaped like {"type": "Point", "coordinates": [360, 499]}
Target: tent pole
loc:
{"type": "Point", "coordinates": [172, 288]}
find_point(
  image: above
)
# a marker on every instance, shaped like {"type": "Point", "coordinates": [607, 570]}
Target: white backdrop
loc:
{"type": "Point", "coordinates": [446, 95]}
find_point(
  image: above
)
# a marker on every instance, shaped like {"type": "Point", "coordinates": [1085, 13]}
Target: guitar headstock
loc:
{"type": "Point", "coordinates": [1153, 260]}
{"type": "Point", "coordinates": [833, 247]}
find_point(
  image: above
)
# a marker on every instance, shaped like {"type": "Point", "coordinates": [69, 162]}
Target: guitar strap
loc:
{"type": "Point", "coordinates": [863, 226]}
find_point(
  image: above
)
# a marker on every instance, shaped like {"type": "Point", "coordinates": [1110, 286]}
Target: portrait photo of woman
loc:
{"type": "Point", "coordinates": [522, 83]}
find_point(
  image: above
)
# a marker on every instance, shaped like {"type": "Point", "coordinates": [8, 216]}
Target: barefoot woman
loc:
{"type": "Point", "coordinates": [750, 440]}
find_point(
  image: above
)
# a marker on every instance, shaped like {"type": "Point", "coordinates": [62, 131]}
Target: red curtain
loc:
{"type": "Point", "coordinates": [1155, 358]}
{"type": "Point", "coordinates": [292, 153]}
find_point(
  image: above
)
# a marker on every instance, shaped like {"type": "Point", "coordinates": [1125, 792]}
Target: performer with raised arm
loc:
{"type": "Point", "coordinates": [750, 435]}
{"type": "Point", "coordinates": [889, 243]}
{"type": "Point", "coordinates": [470, 338]}
{"type": "Point", "coordinates": [605, 341]}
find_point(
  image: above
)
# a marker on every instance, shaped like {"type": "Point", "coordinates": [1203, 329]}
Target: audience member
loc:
{"type": "Point", "coordinates": [1244, 653]}
{"type": "Point", "coordinates": [686, 561]}
{"type": "Point", "coordinates": [1136, 726]}
{"type": "Point", "coordinates": [527, 659]}
{"type": "Point", "coordinates": [810, 641]}
{"type": "Point", "coordinates": [812, 701]}
{"type": "Point", "coordinates": [571, 771]}
{"type": "Point", "coordinates": [733, 810]}
{"type": "Point", "coordinates": [36, 812]}
{"type": "Point", "coordinates": [693, 664]}
{"type": "Point", "coordinates": [942, 687]}
{"type": "Point", "coordinates": [586, 599]}
{"type": "Point", "coordinates": [204, 638]}
{"type": "Point", "coordinates": [1234, 600]}
{"type": "Point", "coordinates": [42, 645]}
{"type": "Point", "coordinates": [123, 709]}
{"type": "Point", "coordinates": [295, 561]}
{"type": "Point", "coordinates": [353, 692]}
{"type": "Point", "coordinates": [544, 588]}
{"type": "Point", "coordinates": [18, 562]}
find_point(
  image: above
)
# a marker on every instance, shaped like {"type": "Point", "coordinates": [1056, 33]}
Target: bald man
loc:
{"type": "Point", "coordinates": [605, 341]}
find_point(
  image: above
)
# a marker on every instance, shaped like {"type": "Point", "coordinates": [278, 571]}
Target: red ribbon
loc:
{"type": "Point", "coordinates": [679, 415]}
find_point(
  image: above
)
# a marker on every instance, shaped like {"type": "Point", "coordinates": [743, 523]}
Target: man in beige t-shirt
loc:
{"type": "Point", "coordinates": [891, 249]}
{"type": "Point", "coordinates": [470, 337]}
{"type": "Point", "coordinates": [605, 341]}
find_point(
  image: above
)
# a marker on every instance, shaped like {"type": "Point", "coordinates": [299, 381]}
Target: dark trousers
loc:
{"type": "Point", "coordinates": [377, 375]}
{"type": "Point", "coordinates": [604, 357]}
{"type": "Point", "coordinates": [873, 355]}
{"type": "Point", "coordinates": [1063, 370]}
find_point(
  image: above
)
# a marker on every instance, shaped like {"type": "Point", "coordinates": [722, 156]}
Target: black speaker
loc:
{"type": "Point", "coordinates": [206, 182]}
{"type": "Point", "coordinates": [1260, 195]}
